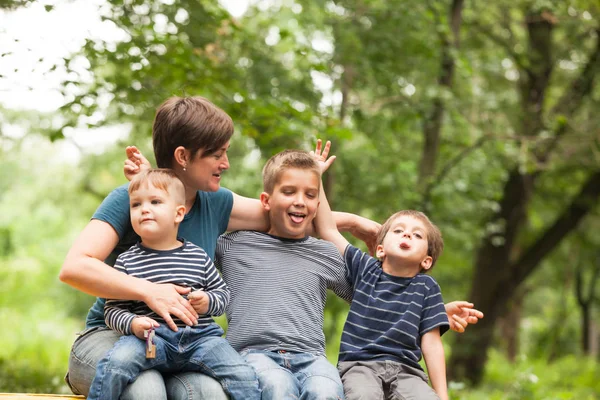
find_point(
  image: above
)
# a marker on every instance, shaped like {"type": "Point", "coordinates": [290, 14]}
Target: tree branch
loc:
{"type": "Point", "coordinates": [508, 46]}
{"type": "Point", "coordinates": [582, 203]}
{"type": "Point", "coordinates": [445, 170]}
{"type": "Point", "coordinates": [581, 86]}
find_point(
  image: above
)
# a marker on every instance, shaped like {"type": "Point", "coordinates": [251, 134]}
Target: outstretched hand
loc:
{"type": "Point", "coordinates": [135, 162]}
{"type": "Point", "coordinates": [321, 156]}
{"type": "Point", "coordinates": [461, 314]}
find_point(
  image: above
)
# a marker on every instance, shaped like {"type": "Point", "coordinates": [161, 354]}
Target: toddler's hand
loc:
{"type": "Point", "coordinates": [135, 162]}
{"type": "Point", "coordinates": [200, 301]}
{"type": "Point", "coordinates": [140, 324]}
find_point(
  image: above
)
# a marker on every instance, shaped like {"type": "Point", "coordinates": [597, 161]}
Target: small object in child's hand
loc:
{"type": "Point", "coordinates": [150, 346]}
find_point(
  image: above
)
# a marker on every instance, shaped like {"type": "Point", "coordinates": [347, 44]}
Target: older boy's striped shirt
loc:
{"type": "Point", "coordinates": [389, 314]}
{"type": "Point", "coordinates": [187, 266]}
{"type": "Point", "coordinates": [278, 290]}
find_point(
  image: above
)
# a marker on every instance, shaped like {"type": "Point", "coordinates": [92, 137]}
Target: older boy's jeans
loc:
{"type": "Point", "coordinates": [284, 375]}
{"type": "Point", "coordinates": [188, 349]}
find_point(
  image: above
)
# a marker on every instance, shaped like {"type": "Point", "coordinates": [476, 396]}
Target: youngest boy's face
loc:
{"type": "Point", "coordinates": [154, 214]}
{"type": "Point", "coordinates": [405, 245]}
{"type": "Point", "coordinates": [293, 204]}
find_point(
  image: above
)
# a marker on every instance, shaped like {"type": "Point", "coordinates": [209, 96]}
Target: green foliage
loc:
{"type": "Point", "coordinates": [365, 75]}
{"type": "Point", "coordinates": [568, 378]}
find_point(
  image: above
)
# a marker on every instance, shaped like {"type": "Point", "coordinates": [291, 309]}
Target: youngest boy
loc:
{"type": "Point", "coordinates": [396, 313]}
{"type": "Point", "coordinates": [157, 199]}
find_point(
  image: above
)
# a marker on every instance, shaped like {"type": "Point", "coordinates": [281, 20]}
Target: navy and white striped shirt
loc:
{"type": "Point", "coordinates": [389, 314]}
{"type": "Point", "coordinates": [187, 266]}
{"type": "Point", "coordinates": [278, 290]}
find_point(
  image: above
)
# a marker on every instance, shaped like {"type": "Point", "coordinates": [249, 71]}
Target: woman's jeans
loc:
{"type": "Point", "coordinates": [285, 375]}
{"type": "Point", "coordinates": [93, 344]}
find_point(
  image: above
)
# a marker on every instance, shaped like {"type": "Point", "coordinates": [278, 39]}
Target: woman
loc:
{"type": "Point", "coordinates": [191, 136]}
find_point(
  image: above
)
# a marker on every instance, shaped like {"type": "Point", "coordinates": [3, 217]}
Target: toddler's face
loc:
{"type": "Point", "coordinates": [153, 212]}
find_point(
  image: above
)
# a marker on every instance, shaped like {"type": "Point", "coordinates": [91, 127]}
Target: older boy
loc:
{"type": "Point", "coordinates": [157, 199]}
{"type": "Point", "coordinates": [397, 311]}
{"type": "Point", "coordinates": [279, 283]}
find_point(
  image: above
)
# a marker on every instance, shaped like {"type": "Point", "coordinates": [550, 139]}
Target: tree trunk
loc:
{"type": "Point", "coordinates": [510, 326]}
{"type": "Point", "coordinates": [432, 125]}
{"type": "Point", "coordinates": [496, 279]}
{"type": "Point", "coordinates": [496, 274]}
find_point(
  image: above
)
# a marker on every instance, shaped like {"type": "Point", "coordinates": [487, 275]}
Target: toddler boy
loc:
{"type": "Point", "coordinates": [157, 199]}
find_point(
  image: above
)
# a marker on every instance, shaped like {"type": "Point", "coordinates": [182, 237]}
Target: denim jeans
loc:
{"type": "Point", "coordinates": [93, 343]}
{"type": "Point", "coordinates": [284, 375]}
{"type": "Point", "coordinates": [189, 349]}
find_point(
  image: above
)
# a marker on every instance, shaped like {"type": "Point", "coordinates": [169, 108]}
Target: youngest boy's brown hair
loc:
{"type": "Point", "coordinates": [287, 159]}
{"type": "Point", "coordinates": [161, 178]}
{"type": "Point", "coordinates": [435, 242]}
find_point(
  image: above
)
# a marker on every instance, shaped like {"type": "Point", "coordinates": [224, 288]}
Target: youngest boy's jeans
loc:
{"type": "Point", "coordinates": [188, 349]}
{"type": "Point", "coordinates": [289, 375]}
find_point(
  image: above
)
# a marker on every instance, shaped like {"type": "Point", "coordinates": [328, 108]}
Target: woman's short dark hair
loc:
{"type": "Point", "coordinates": [192, 122]}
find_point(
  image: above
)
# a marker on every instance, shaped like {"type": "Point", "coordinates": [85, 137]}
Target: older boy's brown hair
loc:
{"type": "Point", "coordinates": [287, 159]}
{"type": "Point", "coordinates": [435, 242]}
{"type": "Point", "coordinates": [161, 178]}
{"type": "Point", "coordinates": [192, 122]}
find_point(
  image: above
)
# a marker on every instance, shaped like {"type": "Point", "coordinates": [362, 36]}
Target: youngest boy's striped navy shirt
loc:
{"type": "Point", "coordinates": [389, 314]}
{"type": "Point", "coordinates": [187, 266]}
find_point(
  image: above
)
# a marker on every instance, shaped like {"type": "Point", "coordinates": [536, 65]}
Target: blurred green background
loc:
{"type": "Point", "coordinates": [482, 114]}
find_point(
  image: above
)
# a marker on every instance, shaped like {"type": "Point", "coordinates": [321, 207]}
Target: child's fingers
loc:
{"type": "Point", "coordinates": [318, 147]}
{"type": "Point", "coordinates": [325, 153]}
{"type": "Point", "coordinates": [458, 324]}
{"type": "Point", "coordinates": [152, 323]}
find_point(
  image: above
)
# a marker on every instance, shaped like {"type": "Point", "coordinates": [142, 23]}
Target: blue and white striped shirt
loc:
{"type": "Point", "coordinates": [388, 314]}
{"type": "Point", "coordinates": [187, 266]}
{"type": "Point", "coordinates": [278, 290]}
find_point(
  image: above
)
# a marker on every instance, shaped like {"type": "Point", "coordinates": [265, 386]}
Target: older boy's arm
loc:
{"type": "Point", "coordinates": [360, 227]}
{"type": "Point", "coordinates": [325, 225]}
{"type": "Point", "coordinates": [433, 353]}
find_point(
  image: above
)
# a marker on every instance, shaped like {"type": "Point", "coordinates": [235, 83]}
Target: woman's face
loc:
{"type": "Point", "coordinates": [204, 173]}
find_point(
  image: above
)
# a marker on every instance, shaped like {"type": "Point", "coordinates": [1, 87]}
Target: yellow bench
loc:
{"type": "Point", "coordinates": [20, 396]}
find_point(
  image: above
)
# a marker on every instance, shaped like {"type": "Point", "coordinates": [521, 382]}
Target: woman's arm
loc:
{"type": "Point", "coordinates": [433, 353]}
{"type": "Point", "coordinates": [83, 270]}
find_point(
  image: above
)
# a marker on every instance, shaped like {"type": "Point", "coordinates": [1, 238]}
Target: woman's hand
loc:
{"type": "Point", "coordinates": [461, 314]}
{"type": "Point", "coordinates": [135, 162]}
{"type": "Point", "coordinates": [321, 157]}
{"type": "Point", "coordinates": [166, 300]}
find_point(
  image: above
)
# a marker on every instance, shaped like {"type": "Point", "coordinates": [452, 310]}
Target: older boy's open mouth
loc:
{"type": "Point", "coordinates": [297, 218]}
